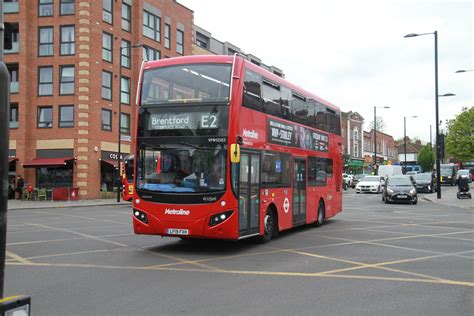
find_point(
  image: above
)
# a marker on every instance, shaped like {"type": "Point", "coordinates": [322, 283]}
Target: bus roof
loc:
{"type": "Point", "coordinates": [193, 59]}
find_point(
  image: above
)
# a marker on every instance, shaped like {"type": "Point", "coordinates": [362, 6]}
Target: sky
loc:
{"type": "Point", "coordinates": [354, 54]}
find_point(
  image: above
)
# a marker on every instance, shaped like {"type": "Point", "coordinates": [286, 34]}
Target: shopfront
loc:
{"type": "Point", "coordinates": [54, 168]}
{"type": "Point", "coordinates": [356, 166]}
{"type": "Point", "coordinates": [108, 171]}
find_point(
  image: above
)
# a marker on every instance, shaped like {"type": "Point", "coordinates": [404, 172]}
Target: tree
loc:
{"type": "Point", "coordinates": [460, 139]}
{"type": "Point", "coordinates": [426, 158]}
{"type": "Point", "coordinates": [380, 124]}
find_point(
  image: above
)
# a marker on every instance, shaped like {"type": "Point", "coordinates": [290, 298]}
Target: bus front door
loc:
{"type": "Point", "coordinates": [299, 192]}
{"type": "Point", "coordinates": [249, 197]}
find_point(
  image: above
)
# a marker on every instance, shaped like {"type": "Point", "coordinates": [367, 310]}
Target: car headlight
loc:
{"type": "Point", "coordinates": [389, 191]}
{"type": "Point", "coordinates": [412, 191]}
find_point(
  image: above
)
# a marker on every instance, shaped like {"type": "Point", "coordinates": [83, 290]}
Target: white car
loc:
{"type": "Point", "coordinates": [370, 184]}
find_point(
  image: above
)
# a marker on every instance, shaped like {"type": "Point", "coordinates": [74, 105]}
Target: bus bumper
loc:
{"type": "Point", "coordinates": [193, 228]}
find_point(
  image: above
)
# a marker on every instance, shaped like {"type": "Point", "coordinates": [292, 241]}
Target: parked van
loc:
{"type": "Point", "coordinates": [416, 168]}
{"type": "Point", "coordinates": [389, 170]}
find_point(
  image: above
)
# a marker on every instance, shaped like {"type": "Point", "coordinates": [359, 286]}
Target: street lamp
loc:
{"type": "Point", "coordinates": [438, 149]}
{"type": "Point", "coordinates": [405, 138]}
{"type": "Point", "coordinates": [119, 180]}
{"type": "Point", "coordinates": [375, 133]}
{"type": "Point", "coordinates": [462, 70]}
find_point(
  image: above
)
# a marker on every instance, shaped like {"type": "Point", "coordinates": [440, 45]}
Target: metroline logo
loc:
{"type": "Point", "coordinates": [250, 134]}
{"type": "Point", "coordinates": [170, 211]}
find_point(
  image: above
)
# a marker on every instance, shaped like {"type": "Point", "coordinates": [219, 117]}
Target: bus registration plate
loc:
{"type": "Point", "coordinates": [177, 231]}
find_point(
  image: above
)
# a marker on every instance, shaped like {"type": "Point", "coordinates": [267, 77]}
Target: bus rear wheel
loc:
{"type": "Point", "coordinates": [321, 215]}
{"type": "Point", "coordinates": [268, 226]}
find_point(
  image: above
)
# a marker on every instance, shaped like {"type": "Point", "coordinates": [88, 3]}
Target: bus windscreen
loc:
{"type": "Point", "coordinates": [189, 83]}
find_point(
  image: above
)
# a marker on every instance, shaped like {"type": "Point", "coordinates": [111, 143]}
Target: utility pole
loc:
{"type": "Point", "coordinates": [4, 146]}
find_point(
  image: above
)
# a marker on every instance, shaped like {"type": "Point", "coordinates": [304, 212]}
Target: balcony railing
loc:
{"type": "Point", "coordinates": [14, 87]}
{"type": "Point", "coordinates": [15, 48]}
{"type": "Point", "coordinates": [10, 7]}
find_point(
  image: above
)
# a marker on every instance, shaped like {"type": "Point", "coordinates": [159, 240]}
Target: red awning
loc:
{"type": "Point", "coordinates": [47, 162]}
{"type": "Point", "coordinates": [11, 159]}
{"type": "Point", "coordinates": [113, 163]}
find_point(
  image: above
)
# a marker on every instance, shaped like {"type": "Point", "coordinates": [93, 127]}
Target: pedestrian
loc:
{"type": "Point", "coordinates": [20, 183]}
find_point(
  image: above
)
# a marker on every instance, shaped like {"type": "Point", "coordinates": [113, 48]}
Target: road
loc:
{"type": "Point", "coordinates": [371, 259]}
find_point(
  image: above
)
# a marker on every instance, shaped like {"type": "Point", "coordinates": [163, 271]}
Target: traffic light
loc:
{"type": "Point", "coordinates": [441, 146]}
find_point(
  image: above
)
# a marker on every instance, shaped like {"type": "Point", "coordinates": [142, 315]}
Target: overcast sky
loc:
{"type": "Point", "coordinates": [353, 54]}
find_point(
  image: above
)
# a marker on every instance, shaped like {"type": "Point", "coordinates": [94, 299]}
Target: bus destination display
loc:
{"type": "Point", "coordinates": [177, 121]}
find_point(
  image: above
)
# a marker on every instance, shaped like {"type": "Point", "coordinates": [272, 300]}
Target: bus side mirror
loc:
{"type": "Point", "coordinates": [235, 153]}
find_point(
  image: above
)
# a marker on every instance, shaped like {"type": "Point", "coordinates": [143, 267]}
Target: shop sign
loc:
{"type": "Point", "coordinates": [110, 155]}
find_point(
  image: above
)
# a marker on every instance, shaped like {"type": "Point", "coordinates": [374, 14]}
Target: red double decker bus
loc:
{"type": "Point", "coordinates": [127, 178]}
{"type": "Point", "coordinates": [226, 149]}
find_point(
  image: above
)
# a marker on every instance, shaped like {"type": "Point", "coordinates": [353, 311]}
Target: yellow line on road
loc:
{"type": "Point", "coordinates": [18, 258]}
{"type": "Point", "coordinates": [81, 234]}
{"type": "Point", "coordinates": [257, 273]}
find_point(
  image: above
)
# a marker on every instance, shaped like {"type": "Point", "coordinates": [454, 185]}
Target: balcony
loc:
{"type": "Point", "coordinates": [12, 29]}
{"type": "Point", "coordinates": [14, 83]}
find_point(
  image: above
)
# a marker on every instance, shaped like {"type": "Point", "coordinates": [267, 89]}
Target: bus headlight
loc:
{"type": "Point", "coordinates": [219, 218]}
{"type": "Point", "coordinates": [140, 216]}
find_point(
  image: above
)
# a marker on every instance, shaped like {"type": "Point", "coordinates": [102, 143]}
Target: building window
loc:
{"type": "Point", "coordinates": [14, 115]}
{"type": "Point", "coordinates": [356, 149]}
{"type": "Point", "coordinates": [45, 8]}
{"type": "Point", "coordinates": [126, 17]}
{"type": "Point", "coordinates": [125, 52]}
{"type": "Point", "coordinates": [45, 41]}
{"type": "Point", "coordinates": [125, 90]}
{"type": "Point", "coordinates": [151, 26]}
{"type": "Point", "coordinates": [167, 35]}
{"type": "Point", "coordinates": [202, 40]}
{"type": "Point", "coordinates": [66, 116]}
{"type": "Point", "coordinates": [106, 119]}
{"type": "Point", "coordinates": [67, 40]}
{"type": "Point", "coordinates": [125, 123]}
{"type": "Point", "coordinates": [67, 7]}
{"type": "Point", "coordinates": [45, 117]}
{"type": "Point", "coordinates": [107, 47]}
{"type": "Point", "coordinates": [106, 85]}
{"type": "Point", "coordinates": [180, 42]}
{"type": "Point", "coordinates": [150, 54]}
{"type": "Point", "coordinates": [45, 80]}
{"type": "Point", "coordinates": [107, 11]}
{"type": "Point", "coordinates": [66, 80]}
{"type": "Point", "coordinates": [356, 135]}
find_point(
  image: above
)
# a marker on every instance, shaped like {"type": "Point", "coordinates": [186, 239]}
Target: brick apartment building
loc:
{"type": "Point", "coordinates": [386, 149]}
{"type": "Point", "coordinates": [352, 127]}
{"type": "Point", "coordinates": [71, 65]}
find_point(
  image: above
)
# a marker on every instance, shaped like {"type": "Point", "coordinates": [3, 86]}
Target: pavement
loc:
{"type": "Point", "coordinates": [449, 197]}
{"type": "Point", "coordinates": [22, 205]}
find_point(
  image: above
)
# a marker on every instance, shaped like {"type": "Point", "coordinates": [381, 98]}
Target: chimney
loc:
{"type": "Point", "coordinates": [418, 142]}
